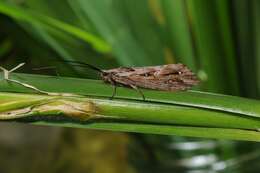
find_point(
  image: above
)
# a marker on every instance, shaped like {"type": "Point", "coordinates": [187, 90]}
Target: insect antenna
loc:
{"type": "Point", "coordinates": [47, 68]}
{"type": "Point", "coordinates": [82, 64]}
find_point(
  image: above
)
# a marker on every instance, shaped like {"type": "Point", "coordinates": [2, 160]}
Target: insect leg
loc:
{"type": "Point", "coordinates": [48, 68]}
{"type": "Point", "coordinates": [114, 92]}
{"type": "Point", "coordinates": [138, 90]}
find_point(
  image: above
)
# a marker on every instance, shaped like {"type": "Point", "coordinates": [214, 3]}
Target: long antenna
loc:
{"type": "Point", "coordinates": [82, 64]}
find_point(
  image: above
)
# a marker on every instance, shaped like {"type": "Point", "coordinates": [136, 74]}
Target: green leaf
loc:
{"type": "Point", "coordinates": [218, 133]}
{"type": "Point", "coordinates": [179, 32]}
{"type": "Point", "coordinates": [139, 18]}
{"type": "Point", "coordinates": [48, 22]}
{"type": "Point", "coordinates": [110, 23]}
{"type": "Point", "coordinates": [243, 22]}
{"type": "Point", "coordinates": [228, 44]}
{"type": "Point", "coordinates": [181, 113]}
{"type": "Point", "coordinates": [211, 47]}
{"type": "Point", "coordinates": [256, 27]}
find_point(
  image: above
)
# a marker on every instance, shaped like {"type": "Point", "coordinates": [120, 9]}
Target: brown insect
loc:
{"type": "Point", "coordinates": [170, 77]}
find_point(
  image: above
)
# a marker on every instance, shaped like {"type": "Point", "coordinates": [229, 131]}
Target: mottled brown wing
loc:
{"type": "Point", "coordinates": [171, 77]}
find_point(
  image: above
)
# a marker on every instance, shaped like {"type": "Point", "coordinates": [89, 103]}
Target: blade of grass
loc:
{"type": "Point", "coordinates": [228, 45]}
{"type": "Point", "coordinates": [139, 19]}
{"type": "Point", "coordinates": [208, 45]}
{"type": "Point", "coordinates": [179, 32]}
{"type": "Point", "coordinates": [64, 44]}
{"type": "Point", "coordinates": [119, 110]}
{"type": "Point", "coordinates": [203, 100]}
{"type": "Point", "coordinates": [84, 20]}
{"type": "Point", "coordinates": [125, 115]}
{"type": "Point", "coordinates": [46, 21]}
{"type": "Point", "coordinates": [176, 110]}
{"type": "Point", "coordinates": [244, 39]}
{"type": "Point", "coordinates": [110, 24]}
{"type": "Point", "coordinates": [256, 25]}
{"type": "Point", "coordinates": [217, 133]}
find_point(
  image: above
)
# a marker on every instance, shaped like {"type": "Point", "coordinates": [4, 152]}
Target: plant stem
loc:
{"type": "Point", "coordinates": [181, 113]}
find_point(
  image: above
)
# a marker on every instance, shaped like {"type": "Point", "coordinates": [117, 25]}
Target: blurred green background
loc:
{"type": "Point", "coordinates": [217, 39]}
